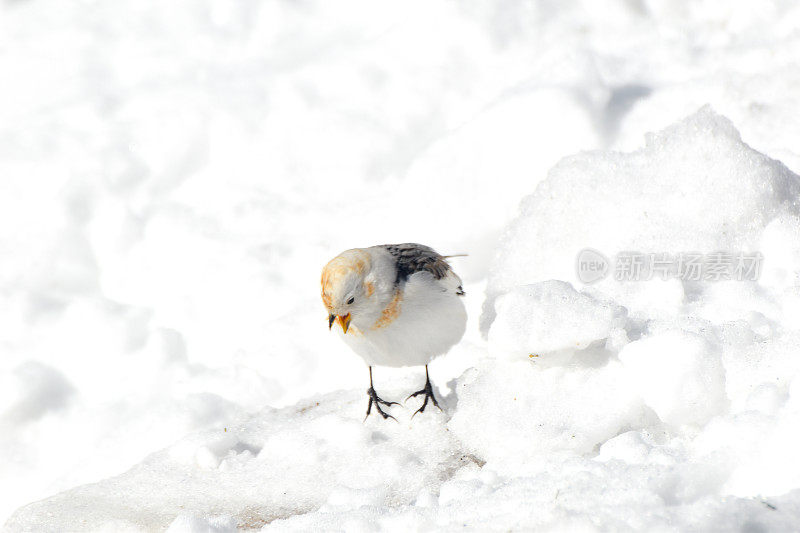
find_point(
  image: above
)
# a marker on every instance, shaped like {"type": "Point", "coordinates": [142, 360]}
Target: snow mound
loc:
{"type": "Point", "coordinates": [549, 317]}
{"type": "Point", "coordinates": [693, 187]}
{"type": "Point", "coordinates": [679, 375]}
{"type": "Point", "coordinates": [525, 412]}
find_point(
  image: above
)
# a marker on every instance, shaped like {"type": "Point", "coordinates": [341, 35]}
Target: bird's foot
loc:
{"type": "Point", "coordinates": [374, 399]}
{"type": "Point", "coordinates": [428, 392]}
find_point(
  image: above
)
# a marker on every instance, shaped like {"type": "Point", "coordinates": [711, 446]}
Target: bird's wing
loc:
{"type": "Point", "coordinates": [412, 257]}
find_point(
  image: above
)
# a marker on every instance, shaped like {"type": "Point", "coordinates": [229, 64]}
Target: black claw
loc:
{"type": "Point", "coordinates": [428, 392]}
{"type": "Point", "coordinates": [374, 399]}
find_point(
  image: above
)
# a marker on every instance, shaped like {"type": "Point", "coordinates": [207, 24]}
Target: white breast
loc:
{"type": "Point", "coordinates": [431, 319]}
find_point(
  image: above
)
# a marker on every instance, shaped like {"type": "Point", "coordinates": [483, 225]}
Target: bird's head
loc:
{"type": "Point", "coordinates": [346, 292]}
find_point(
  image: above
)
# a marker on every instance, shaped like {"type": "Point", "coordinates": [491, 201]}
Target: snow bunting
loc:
{"type": "Point", "coordinates": [397, 305]}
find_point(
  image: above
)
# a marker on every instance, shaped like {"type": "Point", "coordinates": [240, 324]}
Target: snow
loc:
{"type": "Point", "coordinates": [679, 375]}
{"type": "Point", "coordinates": [698, 188]}
{"type": "Point", "coordinates": [317, 455]}
{"type": "Point", "coordinates": [175, 175]}
{"type": "Point", "coordinates": [543, 412]}
{"type": "Point", "coordinates": [550, 316]}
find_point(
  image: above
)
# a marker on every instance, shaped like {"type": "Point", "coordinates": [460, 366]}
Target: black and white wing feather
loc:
{"type": "Point", "coordinates": [412, 257]}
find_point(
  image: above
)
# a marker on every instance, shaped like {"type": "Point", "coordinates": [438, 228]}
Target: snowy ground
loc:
{"type": "Point", "coordinates": [173, 176]}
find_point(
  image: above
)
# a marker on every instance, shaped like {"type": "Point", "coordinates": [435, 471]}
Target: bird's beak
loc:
{"type": "Point", "coordinates": [331, 318]}
{"type": "Point", "coordinates": [344, 321]}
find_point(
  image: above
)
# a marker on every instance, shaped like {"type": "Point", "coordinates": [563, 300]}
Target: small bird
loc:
{"type": "Point", "coordinates": [397, 305]}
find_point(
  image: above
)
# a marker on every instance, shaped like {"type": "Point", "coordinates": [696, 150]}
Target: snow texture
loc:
{"type": "Point", "coordinates": [176, 174]}
{"type": "Point", "coordinates": [550, 316]}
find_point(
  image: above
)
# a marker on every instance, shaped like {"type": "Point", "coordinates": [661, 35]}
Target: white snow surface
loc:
{"type": "Point", "coordinates": [548, 317]}
{"type": "Point", "coordinates": [174, 175]}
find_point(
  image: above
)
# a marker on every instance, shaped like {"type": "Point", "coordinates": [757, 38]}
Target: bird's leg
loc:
{"type": "Point", "coordinates": [428, 392]}
{"type": "Point", "coordinates": [374, 399]}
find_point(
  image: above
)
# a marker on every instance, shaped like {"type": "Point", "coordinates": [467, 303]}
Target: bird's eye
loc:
{"type": "Point", "coordinates": [351, 300]}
